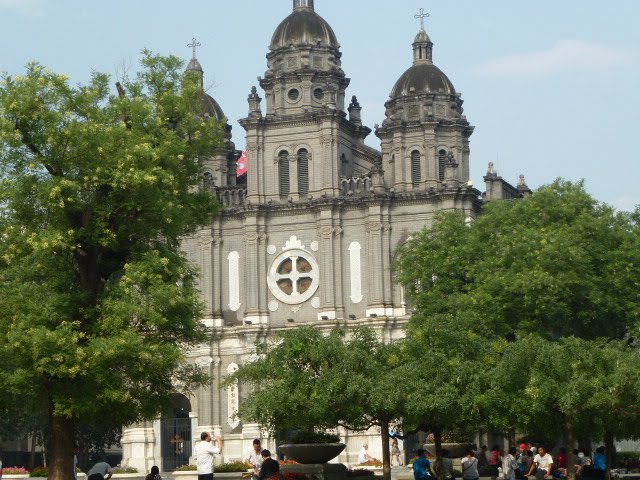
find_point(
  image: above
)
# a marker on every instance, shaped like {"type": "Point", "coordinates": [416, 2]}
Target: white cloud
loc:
{"type": "Point", "coordinates": [565, 56]}
{"type": "Point", "coordinates": [24, 7]}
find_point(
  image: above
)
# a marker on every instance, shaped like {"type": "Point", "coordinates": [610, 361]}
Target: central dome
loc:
{"type": "Point", "coordinates": [303, 27]}
{"type": "Point", "coordinates": [422, 78]}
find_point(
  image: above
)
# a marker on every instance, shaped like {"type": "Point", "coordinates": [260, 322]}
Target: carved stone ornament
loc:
{"type": "Point", "coordinates": [326, 231]}
{"type": "Point", "coordinates": [233, 402]}
{"type": "Point", "coordinates": [374, 227]}
{"type": "Point", "coordinates": [250, 238]}
{"type": "Point", "coordinates": [204, 361]}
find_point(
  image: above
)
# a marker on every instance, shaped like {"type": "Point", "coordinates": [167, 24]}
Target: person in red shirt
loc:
{"type": "Point", "coordinates": [561, 458]}
{"type": "Point", "coordinates": [495, 459]}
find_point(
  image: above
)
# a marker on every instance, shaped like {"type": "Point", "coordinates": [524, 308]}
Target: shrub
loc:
{"type": "Point", "coordinates": [14, 471]}
{"type": "Point", "coordinates": [628, 459]}
{"type": "Point", "coordinates": [186, 468]}
{"type": "Point", "coordinates": [39, 472]}
{"type": "Point", "coordinates": [370, 463]}
{"type": "Point", "coordinates": [237, 466]}
{"type": "Point", "coordinates": [313, 437]}
{"type": "Point", "coordinates": [124, 469]}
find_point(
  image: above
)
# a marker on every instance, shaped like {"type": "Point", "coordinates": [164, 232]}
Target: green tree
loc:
{"type": "Point", "coordinates": [308, 381]}
{"type": "Point", "coordinates": [96, 190]}
{"type": "Point", "coordinates": [557, 263]}
{"type": "Point", "coordinates": [570, 386]}
{"type": "Point", "coordinates": [445, 363]}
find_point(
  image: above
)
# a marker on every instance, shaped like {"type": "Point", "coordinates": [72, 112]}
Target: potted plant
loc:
{"type": "Point", "coordinates": [14, 473]}
{"type": "Point", "coordinates": [126, 473]}
{"type": "Point", "coordinates": [186, 472]}
{"type": "Point", "coordinates": [309, 447]}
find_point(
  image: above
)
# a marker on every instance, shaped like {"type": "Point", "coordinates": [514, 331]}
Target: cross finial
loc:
{"type": "Point", "coordinates": [422, 15]}
{"type": "Point", "coordinates": [193, 45]}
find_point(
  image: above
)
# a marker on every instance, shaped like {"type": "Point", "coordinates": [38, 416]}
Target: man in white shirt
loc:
{"type": "Point", "coordinates": [255, 458]}
{"type": "Point", "coordinates": [542, 463]}
{"type": "Point", "coordinates": [204, 455]}
{"type": "Point", "coordinates": [363, 455]}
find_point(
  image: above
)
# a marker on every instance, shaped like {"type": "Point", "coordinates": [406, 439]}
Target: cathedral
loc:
{"type": "Point", "coordinates": [309, 234]}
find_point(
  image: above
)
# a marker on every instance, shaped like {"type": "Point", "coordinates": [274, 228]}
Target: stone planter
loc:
{"type": "Point", "coordinates": [308, 453]}
{"type": "Point", "coordinates": [14, 477]}
{"type": "Point", "coordinates": [456, 450]}
{"type": "Point", "coordinates": [229, 475]}
{"type": "Point", "coordinates": [186, 475]}
{"type": "Point", "coordinates": [129, 476]}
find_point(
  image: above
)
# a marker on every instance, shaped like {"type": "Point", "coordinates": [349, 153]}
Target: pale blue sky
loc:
{"type": "Point", "coordinates": [552, 86]}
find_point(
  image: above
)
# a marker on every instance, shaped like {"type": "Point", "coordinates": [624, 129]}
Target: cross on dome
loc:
{"type": "Point", "coordinates": [422, 15]}
{"type": "Point", "coordinates": [193, 45]}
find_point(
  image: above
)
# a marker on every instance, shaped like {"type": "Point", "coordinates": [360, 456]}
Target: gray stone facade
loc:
{"type": "Point", "coordinates": [311, 237]}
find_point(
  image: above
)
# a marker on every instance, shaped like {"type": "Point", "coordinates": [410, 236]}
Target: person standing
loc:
{"type": "Point", "coordinates": [481, 456]}
{"type": "Point", "coordinates": [270, 467]}
{"type": "Point", "coordinates": [469, 464]}
{"type": "Point", "coordinates": [255, 457]}
{"type": "Point", "coordinates": [542, 463]}
{"type": "Point", "coordinates": [100, 471]}
{"type": "Point", "coordinates": [204, 455]}
{"type": "Point", "coordinates": [395, 452]}
{"type": "Point", "coordinates": [510, 465]}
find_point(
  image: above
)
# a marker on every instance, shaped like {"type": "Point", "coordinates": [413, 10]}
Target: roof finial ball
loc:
{"type": "Point", "coordinates": [300, 4]}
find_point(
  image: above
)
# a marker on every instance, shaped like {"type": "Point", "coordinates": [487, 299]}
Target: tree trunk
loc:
{"type": "Point", "coordinates": [437, 439]}
{"type": "Point", "coordinates": [61, 454]}
{"type": "Point", "coordinates": [571, 461]}
{"type": "Point", "coordinates": [32, 453]}
{"type": "Point", "coordinates": [386, 454]}
{"type": "Point", "coordinates": [610, 448]}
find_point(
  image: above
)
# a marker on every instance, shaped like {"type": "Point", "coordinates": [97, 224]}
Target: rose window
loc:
{"type": "Point", "coordinates": [293, 276]}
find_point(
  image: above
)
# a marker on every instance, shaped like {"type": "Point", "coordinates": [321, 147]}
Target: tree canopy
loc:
{"type": "Point", "coordinates": [96, 190]}
{"type": "Point", "coordinates": [557, 263]}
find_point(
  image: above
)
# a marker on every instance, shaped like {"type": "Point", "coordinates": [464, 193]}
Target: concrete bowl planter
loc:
{"type": "Point", "coordinates": [307, 453]}
{"type": "Point", "coordinates": [456, 450]}
{"type": "Point", "coordinates": [14, 477]}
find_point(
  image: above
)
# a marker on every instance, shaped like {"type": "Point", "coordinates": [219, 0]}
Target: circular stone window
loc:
{"type": "Point", "coordinates": [318, 94]}
{"type": "Point", "coordinates": [293, 276]}
{"type": "Point", "coordinates": [293, 94]}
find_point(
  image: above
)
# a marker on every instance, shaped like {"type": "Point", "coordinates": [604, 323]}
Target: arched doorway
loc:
{"type": "Point", "coordinates": [176, 434]}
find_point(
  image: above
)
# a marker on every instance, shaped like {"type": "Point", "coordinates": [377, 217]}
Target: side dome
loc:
{"type": "Point", "coordinates": [303, 27]}
{"type": "Point", "coordinates": [422, 78]}
{"type": "Point", "coordinates": [212, 108]}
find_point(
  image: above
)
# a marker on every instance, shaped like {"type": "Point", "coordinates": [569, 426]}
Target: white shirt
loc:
{"type": "Point", "coordinates": [509, 467]}
{"type": "Point", "coordinates": [469, 467]}
{"type": "Point", "coordinates": [204, 457]}
{"type": "Point", "coordinates": [255, 459]}
{"type": "Point", "coordinates": [543, 463]}
{"type": "Point", "coordinates": [363, 456]}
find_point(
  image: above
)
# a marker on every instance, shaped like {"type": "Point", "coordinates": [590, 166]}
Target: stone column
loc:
{"type": "Point", "coordinates": [375, 267]}
{"type": "Point", "coordinates": [327, 232]}
{"type": "Point", "coordinates": [250, 264]}
{"type": "Point", "coordinates": [216, 280]}
{"type": "Point", "coordinates": [138, 443]}
{"type": "Point", "coordinates": [205, 242]}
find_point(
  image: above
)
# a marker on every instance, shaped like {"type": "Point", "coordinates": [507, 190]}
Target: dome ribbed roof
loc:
{"type": "Point", "coordinates": [212, 108]}
{"type": "Point", "coordinates": [423, 78]}
{"type": "Point", "coordinates": [303, 27]}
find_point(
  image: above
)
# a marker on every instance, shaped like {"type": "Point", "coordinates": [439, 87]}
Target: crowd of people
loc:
{"type": "Point", "coordinates": [517, 464]}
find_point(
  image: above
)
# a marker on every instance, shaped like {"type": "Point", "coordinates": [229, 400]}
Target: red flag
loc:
{"type": "Point", "coordinates": [243, 164]}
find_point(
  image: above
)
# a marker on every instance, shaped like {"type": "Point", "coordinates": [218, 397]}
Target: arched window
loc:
{"type": "Point", "coordinates": [283, 172]}
{"type": "Point", "coordinates": [344, 166]}
{"type": "Point", "coordinates": [442, 161]}
{"type": "Point", "coordinates": [415, 168]}
{"type": "Point", "coordinates": [303, 172]}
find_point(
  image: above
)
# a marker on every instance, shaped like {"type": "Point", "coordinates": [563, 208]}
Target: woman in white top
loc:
{"type": "Point", "coordinates": [469, 464]}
